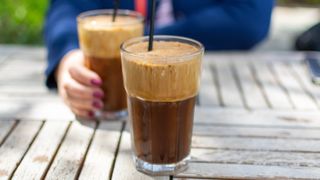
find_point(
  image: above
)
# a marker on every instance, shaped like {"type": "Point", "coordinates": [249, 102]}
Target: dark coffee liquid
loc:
{"type": "Point", "coordinates": [162, 130]}
{"type": "Point", "coordinates": [110, 72]}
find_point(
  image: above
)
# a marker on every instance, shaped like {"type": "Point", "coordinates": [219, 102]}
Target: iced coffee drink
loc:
{"type": "Point", "coordinates": [100, 39]}
{"type": "Point", "coordinates": [161, 86]}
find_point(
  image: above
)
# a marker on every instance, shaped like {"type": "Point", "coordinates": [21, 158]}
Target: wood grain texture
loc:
{"type": "Point", "coordinates": [305, 80]}
{"type": "Point", "coordinates": [266, 118]}
{"type": "Point", "coordinates": [5, 128]}
{"type": "Point", "coordinates": [71, 154]}
{"type": "Point", "coordinates": [208, 91]}
{"type": "Point", "coordinates": [262, 132]}
{"type": "Point", "coordinates": [236, 171]}
{"type": "Point", "coordinates": [229, 142]}
{"type": "Point", "coordinates": [100, 157]}
{"type": "Point", "coordinates": [188, 178]}
{"type": "Point", "coordinates": [266, 158]}
{"type": "Point", "coordinates": [300, 99]}
{"type": "Point", "coordinates": [30, 71]}
{"type": "Point", "coordinates": [42, 151]}
{"type": "Point", "coordinates": [253, 95]}
{"type": "Point", "coordinates": [16, 145]}
{"type": "Point", "coordinates": [276, 96]}
{"type": "Point", "coordinates": [230, 93]}
{"type": "Point", "coordinates": [124, 167]}
{"type": "Point", "coordinates": [28, 108]}
{"type": "Point", "coordinates": [290, 145]}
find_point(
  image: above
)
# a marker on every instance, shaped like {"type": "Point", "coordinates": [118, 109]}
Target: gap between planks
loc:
{"type": "Point", "coordinates": [299, 97]}
{"type": "Point", "coordinates": [42, 152]}
{"type": "Point", "coordinates": [277, 97]}
{"type": "Point", "coordinates": [16, 145]}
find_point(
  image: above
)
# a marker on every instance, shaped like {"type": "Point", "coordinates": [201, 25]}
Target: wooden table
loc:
{"type": "Point", "coordinates": [257, 117]}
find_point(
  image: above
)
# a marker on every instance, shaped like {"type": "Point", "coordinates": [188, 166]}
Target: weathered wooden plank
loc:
{"type": "Point", "coordinates": [69, 159]}
{"type": "Point", "coordinates": [265, 144]}
{"type": "Point", "coordinates": [305, 79]}
{"type": "Point", "coordinates": [235, 171]}
{"type": "Point", "coordinates": [253, 95]}
{"type": "Point", "coordinates": [102, 152]}
{"type": "Point", "coordinates": [276, 96]}
{"type": "Point", "coordinates": [20, 90]}
{"type": "Point", "coordinates": [124, 167]}
{"type": "Point", "coordinates": [208, 93]}
{"type": "Point", "coordinates": [188, 178]}
{"type": "Point", "coordinates": [258, 56]}
{"type": "Point", "coordinates": [299, 97]}
{"type": "Point", "coordinates": [265, 158]}
{"type": "Point", "coordinates": [16, 145]}
{"type": "Point", "coordinates": [262, 132]}
{"type": "Point", "coordinates": [30, 72]}
{"type": "Point", "coordinates": [29, 107]}
{"type": "Point", "coordinates": [230, 93]}
{"type": "Point", "coordinates": [5, 128]}
{"type": "Point", "coordinates": [268, 118]}
{"type": "Point", "coordinates": [22, 50]}
{"type": "Point", "coordinates": [3, 58]}
{"type": "Point", "coordinates": [42, 151]}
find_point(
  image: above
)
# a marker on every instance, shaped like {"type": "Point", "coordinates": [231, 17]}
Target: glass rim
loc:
{"type": "Point", "coordinates": [120, 12]}
{"type": "Point", "coordinates": [169, 38]}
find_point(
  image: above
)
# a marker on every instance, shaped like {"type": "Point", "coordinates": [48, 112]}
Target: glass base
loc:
{"type": "Point", "coordinates": [116, 115]}
{"type": "Point", "coordinates": [160, 169]}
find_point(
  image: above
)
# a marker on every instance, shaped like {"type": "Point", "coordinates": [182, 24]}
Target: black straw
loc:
{"type": "Point", "coordinates": [151, 33]}
{"type": "Point", "coordinates": [115, 9]}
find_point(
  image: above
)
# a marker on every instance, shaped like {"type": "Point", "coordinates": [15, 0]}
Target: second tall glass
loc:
{"type": "Point", "coordinates": [162, 86]}
{"type": "Point", "coordinates": [100, 39]}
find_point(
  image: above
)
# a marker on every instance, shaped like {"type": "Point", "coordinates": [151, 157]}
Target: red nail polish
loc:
{"type": "Point", "coordinates": [97, 104]}
{"type": "Point", "coordinates": [96, 82]}
{"type": "Point", "coordinates": [98, 94]}
{"type": "Point", "coordinates": [91, 114]}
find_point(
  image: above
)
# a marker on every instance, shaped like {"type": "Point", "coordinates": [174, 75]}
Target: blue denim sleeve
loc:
{"type": "Point", "coordinates": [227, 25]}
{"type": "Point", "coordinates": [60, 31]}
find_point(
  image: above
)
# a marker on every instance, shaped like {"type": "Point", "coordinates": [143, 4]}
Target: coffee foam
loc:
{"type": "Point", "coordinates": [100, 37]}
{"type": "Point", "coordinates": [165, 74]}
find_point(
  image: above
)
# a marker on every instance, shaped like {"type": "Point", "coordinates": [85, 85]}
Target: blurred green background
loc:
{"type": "Point", "coordinates": [21, 21]}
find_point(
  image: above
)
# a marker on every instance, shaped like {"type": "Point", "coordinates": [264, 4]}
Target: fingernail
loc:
{"type": "Point", "coordinates": [96, 82]}
{"type": "Point", "coordinates": [98, 94]}
{"type": "Point", "coordinates": [90, 114]}
{"type": "Point", "coordinates": [97, 104]}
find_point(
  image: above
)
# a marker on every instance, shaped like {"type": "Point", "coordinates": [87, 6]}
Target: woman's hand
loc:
{"type": "Point", "coordinates": [78, 86]}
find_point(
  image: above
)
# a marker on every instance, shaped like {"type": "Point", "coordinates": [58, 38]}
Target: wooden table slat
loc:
{"type": "Point", "coordinates": [252, 93]}
{"type": "Point", "coordinates": [208, 93]}
{"type": "Point", "coordinates": [100, 157]}
{"type": "Point", "coordinates": [231, 96]}
{"type": "Point", "coordinates": [5, 128]}
{"type": "Point", "coordinates": [16, 145]}
{"type": "Point", "coordinates": [305, 79]}
{"type": "Point", "coordinates": [275, 119]}
{"type": "Point", "coordinates": [39, 156]}
{"type": "Point", "coordinates": [69, 159]}
{"type": "Point", "coordinates": [275, 94]}
{"type": "Point", "coordinates": [241, 171]}
{"type": "Point", "coordinates": [293, 145]}
{"type": "Point", "coordinates": [262, 132]}
{"type": "Point", "coordinates": [265, 158]}
{"type": "Point", "coordinates": [299, 97]}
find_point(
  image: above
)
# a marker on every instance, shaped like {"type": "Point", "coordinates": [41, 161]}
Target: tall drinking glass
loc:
{"type": "Point", "coordinates": [100, 39]}
{"type": "Point", "coordinates": [161, 86]}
